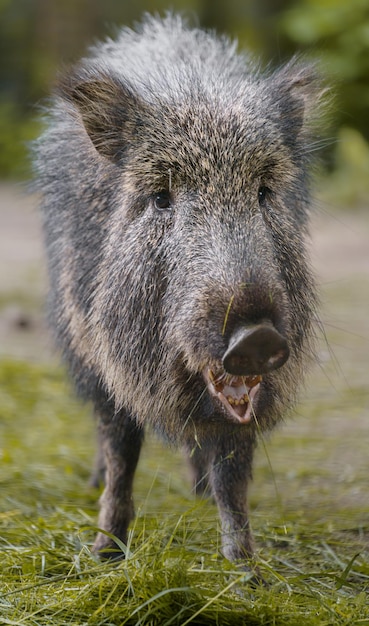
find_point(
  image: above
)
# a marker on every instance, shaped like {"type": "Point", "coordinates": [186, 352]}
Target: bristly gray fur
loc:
{"type": "Point", "coordinates": [139, 288]}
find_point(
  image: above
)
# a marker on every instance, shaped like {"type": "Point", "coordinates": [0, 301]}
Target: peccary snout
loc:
{"type": "Point", "coordinates": [256, 349]}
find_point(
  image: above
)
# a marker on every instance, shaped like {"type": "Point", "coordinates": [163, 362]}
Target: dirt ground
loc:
{"type": "Point", "coordinates": [334, 420]}
{"type": "Point", "coordinates": [22, 277]}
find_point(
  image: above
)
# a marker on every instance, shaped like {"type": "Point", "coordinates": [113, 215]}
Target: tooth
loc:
{"type": "Point", "coordinates": [253, 380]}
{"type": "Point", "coordinates": [230, 400]}
{"type": "Point", "coordinates": [220, 378]}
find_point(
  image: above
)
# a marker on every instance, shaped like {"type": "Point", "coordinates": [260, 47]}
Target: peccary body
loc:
{"type": "Point", "coordinates": [174, 178]}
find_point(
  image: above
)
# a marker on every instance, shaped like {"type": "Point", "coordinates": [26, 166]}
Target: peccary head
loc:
{"type": "Point", "coordinates": [177, 174]}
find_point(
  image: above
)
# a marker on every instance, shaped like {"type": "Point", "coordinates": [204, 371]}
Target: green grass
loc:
{"type": "Point", "coordinates": [312, 535]}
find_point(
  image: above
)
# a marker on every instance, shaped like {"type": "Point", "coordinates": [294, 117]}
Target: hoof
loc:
{"type": "Point", "coordinates": [109, 547]}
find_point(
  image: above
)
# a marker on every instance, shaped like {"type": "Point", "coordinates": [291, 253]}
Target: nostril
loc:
{"type": "Point", "coordinates": [256, 349]}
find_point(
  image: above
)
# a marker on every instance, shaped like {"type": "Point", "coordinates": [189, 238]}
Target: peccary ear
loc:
{"type": "Point", "coordinates": [109, 110]}
{"type": "Point", "coordinates": [298, 90]}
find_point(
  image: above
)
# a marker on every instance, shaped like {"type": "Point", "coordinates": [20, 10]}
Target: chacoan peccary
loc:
{"type": "Point", "coordinates": [174, 176]}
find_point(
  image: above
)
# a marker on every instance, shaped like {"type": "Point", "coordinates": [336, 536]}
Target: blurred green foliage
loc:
{"type": "Point", "coordinates": [342, 29]}
{"type": "Point", "coordinates": [38, 37]}
{"type": "Point", "coordinates": [338, 32]}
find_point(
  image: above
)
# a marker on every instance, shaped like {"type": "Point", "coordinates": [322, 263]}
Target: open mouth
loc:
{"type": "Point", "coordinates": [236, 393]}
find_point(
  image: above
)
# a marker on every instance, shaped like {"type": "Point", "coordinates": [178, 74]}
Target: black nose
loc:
{"type": "Point", "coordinates": [255, 350]}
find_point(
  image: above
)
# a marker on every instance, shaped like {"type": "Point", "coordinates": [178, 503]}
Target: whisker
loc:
{"type": "Point", "coordinates": [331, 352]}
{"type": "Point", "coordinates": [189, 417]}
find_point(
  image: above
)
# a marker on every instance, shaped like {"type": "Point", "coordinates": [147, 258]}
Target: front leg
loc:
{"type": "Point", "coordinates": [97, 477]}
{"type": "Point", "coordinates": [199, 460]}
{"type": "Point", "coordinates": [121, 441]}
{"type": "Point", "coordinates": [230, 474]}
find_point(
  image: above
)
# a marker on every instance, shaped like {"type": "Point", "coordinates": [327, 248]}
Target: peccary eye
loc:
{"type": "Point", "coordinates": [163, 201]}
{"type": "Point", "coordinates": [263, 193]}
